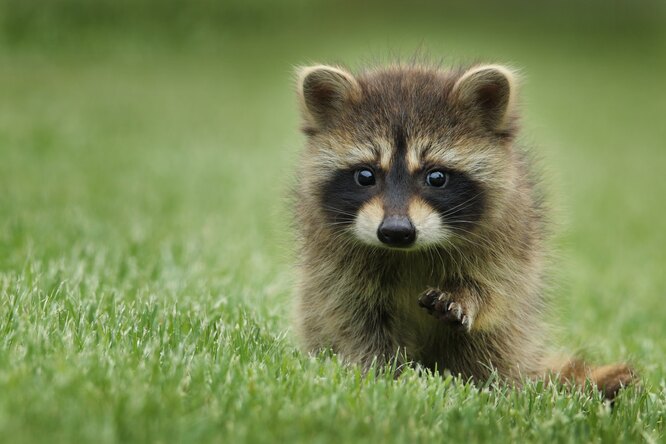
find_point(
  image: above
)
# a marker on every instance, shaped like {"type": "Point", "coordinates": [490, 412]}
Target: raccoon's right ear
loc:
{"type": "Point", "coordinates": [324, 91]}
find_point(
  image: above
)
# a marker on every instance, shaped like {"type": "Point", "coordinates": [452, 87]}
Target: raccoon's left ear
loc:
{"type": "Point", "coordinates": [487, 94]}
{"type": "Point", "coordinates": [324, 91]}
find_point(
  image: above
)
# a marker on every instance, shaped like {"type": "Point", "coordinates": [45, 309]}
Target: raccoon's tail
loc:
{"type": "Point", "coordinates": [608, 379]}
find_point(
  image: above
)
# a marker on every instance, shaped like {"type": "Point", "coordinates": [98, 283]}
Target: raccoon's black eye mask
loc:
{"type": "Point", "coordinates": [457, 198]}
{"type": "Point", "coordinates": [460, 202]}
{"type": "Point", "coordinates": [343, 195]}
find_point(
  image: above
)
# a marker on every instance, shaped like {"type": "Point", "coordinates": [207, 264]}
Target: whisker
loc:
{"type": "Point", "coordinates": [485, 242]}
{"type": "Point", "coordinates": [338, 210]}
{"type": "Point", "coordinates": [456, 208]}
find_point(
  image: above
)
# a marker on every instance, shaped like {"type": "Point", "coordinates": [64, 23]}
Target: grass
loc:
{"type": "Point", "coordinates": [145, 261]}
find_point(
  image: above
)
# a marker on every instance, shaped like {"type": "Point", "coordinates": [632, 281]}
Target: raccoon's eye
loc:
{"type": "Point", "coordinates": [437, 179]}
{"type": "Point", "coordinates": [364, 177]}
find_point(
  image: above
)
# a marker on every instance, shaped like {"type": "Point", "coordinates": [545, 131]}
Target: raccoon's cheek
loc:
{"type": "Point", "coordinates": [367, 221]}
{"type": "Point", "coordinates": [428, 223]}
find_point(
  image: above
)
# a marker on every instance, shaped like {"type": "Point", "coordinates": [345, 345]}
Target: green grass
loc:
{"type": "Point", "coordinates": [145, 258]}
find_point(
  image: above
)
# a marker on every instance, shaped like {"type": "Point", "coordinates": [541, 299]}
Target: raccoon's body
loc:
{"type": "Point", "coordinates": [421, 233]}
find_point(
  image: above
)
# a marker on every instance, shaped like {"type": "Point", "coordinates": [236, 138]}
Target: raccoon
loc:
{"type": "Point", "coordinates": [421, 232]}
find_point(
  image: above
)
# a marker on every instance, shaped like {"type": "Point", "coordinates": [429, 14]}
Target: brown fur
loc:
{"type": "Point", "coordinates": [362, 300]}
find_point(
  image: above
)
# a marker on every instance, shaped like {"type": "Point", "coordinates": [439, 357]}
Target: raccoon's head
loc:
{"type": "Point", "coordinates": [407, 157]}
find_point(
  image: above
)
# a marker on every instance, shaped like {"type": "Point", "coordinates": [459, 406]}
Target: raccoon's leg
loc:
{"type": "Point", "coordinates": [609, 379]}
{"type": "Point", "coordinates": [359, 330]}
{"type": "Point", "coordinates": [457, 307]}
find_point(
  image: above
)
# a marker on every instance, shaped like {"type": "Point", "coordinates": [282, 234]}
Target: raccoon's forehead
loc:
{"type": "Point", "coordinates": [407, 111]}
{"type": "Point", "coordinates": [346, 149]}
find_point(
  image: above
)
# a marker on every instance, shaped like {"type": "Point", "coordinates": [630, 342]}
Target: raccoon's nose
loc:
{"type": "Point", "coordinates": [397, 231]}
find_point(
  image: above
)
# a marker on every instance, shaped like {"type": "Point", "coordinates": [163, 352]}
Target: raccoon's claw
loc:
{"type": "Point", "coordinates": [440, 305]}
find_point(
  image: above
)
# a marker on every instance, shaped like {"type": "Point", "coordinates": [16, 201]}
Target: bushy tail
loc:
{"type": "Point", "coordinates": [609, 379]}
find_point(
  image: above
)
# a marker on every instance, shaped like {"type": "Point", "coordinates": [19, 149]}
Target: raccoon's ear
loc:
{"type": "Point", "coordinates": [324, 91]}
{"type": "Point", "coordinates": [487, 94]}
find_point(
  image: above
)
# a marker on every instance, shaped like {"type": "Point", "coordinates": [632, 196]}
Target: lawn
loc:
{"type": "Point", "coordinates": [146, 266]}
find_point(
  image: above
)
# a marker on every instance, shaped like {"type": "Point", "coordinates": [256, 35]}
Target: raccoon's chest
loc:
{"type": "Point", "coordinates": [412, 328]}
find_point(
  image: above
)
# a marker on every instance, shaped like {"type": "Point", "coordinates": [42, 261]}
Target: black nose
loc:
{"type": "Point", "coordinates": [396, 231]}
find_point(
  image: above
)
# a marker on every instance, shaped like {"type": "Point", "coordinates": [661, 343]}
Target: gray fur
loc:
{"type": "Point", "coordinates": [361, 300]}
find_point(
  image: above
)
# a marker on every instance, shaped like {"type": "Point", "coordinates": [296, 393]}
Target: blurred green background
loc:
{"type": "Point", "coordinates": [146, 151]}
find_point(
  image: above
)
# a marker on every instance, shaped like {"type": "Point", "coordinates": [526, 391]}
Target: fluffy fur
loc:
{"type": "Point", "coordinates": [467, 294]}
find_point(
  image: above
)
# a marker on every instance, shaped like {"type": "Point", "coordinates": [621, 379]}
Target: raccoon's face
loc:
{"type": "Point", "coordinates": [407, 158]}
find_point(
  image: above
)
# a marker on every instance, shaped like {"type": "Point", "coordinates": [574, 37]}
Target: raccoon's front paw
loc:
{"type": "Point", "coordinates": [442, 306]}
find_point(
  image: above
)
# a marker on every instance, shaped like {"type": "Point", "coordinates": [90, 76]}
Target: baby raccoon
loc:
{"type": "Point", "coordinates": [421, 234]}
